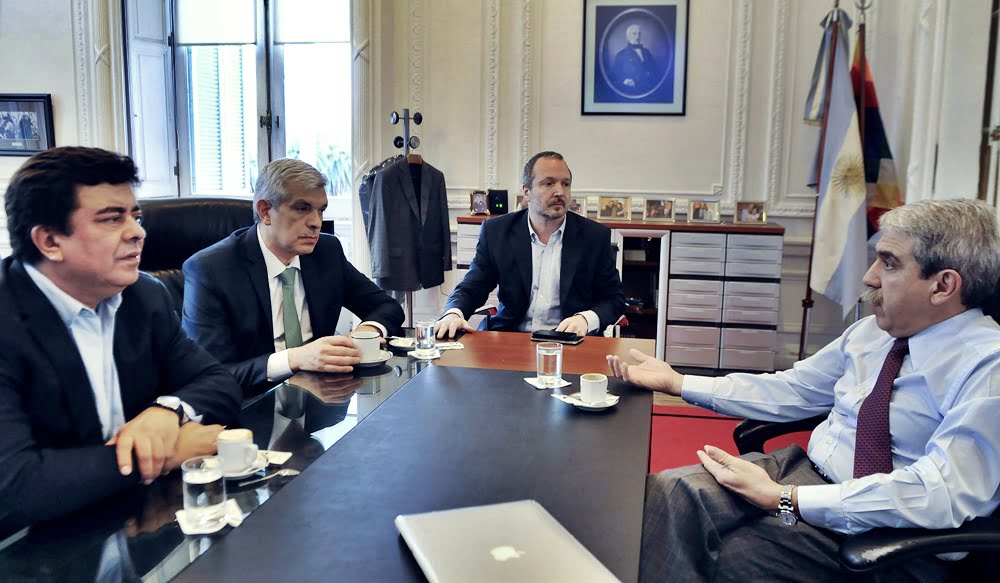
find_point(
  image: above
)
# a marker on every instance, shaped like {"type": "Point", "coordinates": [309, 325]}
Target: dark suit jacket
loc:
{"type": "Point", "coordinates": [588, 279]}
{"type": "Point", "coordinates": [51, 445]}
{"type": "Point", "coordinates": [410, 241]}
{"type": "Point", "coordinates": [227, 302]}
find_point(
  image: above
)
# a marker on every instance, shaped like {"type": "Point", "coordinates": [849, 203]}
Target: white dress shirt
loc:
{"type": "Point", "coordinates": [944, 413]}
{"type": "Point", "coordinates": [93, 333]}
{"type": "Point", "coordinates": [278, 368]}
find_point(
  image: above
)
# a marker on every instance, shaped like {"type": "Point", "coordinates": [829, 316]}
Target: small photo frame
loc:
{"type": "Point", "coordinates": [750, 213]}
{"type": "Point", "coordinates": [578, 206]}
{"type": "Point", "coordinates": [25, 124]}
{"type": "Point", "coordinates": [703, 211]}
{"type": "Point", "coordinates": [618, 208]}
{"type": "Point", "coordinates": [658, 210]}
{"type": "Point", "coordinates": [520, 203]}
{"type": "Point", "coordinates": [478, 203]}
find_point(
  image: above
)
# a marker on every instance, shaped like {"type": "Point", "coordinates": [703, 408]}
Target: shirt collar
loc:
{"type": "Point", "coordinates": [934, 339]}
{"type": "Point", "coordinates": [274, 265]}
{"type": "Point", "coordinates": [534, 235]}
{"type": "Point", "coordinates": [66, 305]}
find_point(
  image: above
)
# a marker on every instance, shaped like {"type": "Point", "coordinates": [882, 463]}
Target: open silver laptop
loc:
{"type": "Point", "coordinates": [513, 541]}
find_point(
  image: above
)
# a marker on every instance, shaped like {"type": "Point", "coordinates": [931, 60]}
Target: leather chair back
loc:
{"type": "Point", "coordinates": [177, 228]}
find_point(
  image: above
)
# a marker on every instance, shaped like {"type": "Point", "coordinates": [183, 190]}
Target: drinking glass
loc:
{"type": "Point", "coordinates": [204, 491]}
{"type": "Point", "coordinates": [549, 363]}
{"type": "Point", "coordinates": [424, 332]}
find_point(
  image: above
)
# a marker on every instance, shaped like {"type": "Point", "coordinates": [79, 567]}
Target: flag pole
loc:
{"type": "Point", "coordinates": [807, 302]}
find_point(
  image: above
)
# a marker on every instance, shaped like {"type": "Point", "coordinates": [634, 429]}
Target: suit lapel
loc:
{"type": "Point", "coordinates": [521, 251]}
{"type": "Point", "coordinates": [406, 182]}
{"type": "Point", "coordinates": [256, 272]}
{"type": "Point", "coordinates": [425, 191]}
{"type": "Point", "coordinates": [313, 282]}
{"type": "Point", "coordinates": [125, 343]}
{"type": "Point", "coordinates": [53, 338]}
{"type": "Point", "coordinates": [571, 254]}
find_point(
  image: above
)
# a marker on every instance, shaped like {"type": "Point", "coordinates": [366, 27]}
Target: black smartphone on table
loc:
{"type": "Point", "coordinates": [553, 336]}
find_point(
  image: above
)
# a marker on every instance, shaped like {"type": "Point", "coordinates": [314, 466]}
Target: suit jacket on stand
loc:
{"type": "Point", "coordinates": [410, 238]}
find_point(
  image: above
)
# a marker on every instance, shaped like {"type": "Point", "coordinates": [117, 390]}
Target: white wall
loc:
{"type": "Point", "coordinates": [33, 33]}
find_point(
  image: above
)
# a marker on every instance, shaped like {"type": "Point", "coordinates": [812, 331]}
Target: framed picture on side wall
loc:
{"type": "Point", "coordinates": [25, 123]}
{"type": "Point", "coordinates": [634, 57]}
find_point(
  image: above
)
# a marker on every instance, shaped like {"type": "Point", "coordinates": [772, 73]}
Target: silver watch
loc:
{"type": "Point", "coordinates": [786, 510]}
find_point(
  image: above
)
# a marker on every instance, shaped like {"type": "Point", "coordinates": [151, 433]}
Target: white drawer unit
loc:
{"type": "Point", "coordinates": [697, 268]}
{"type": "Point", "coordinates": [468, 238]}
{"type": "Point", "coordinates": [745, 339]}
{"type": "Point", "coordinates": [750, 302]}
{"type": "Point", "coordinates": [764, 270]}
{"type": "Point", "coordinates": [749, 316]}
{"type": "Point", "coordinates": [698, 239]}
{"type": "Point", "coordinates": [696, 300]}
{"type": "Point", "coordinates": [739, 255]}
{"type": "Point", "coordinates": [754, 241]}
{"type": "Point", "coordinates": [694, 314]}
{"type": "Point", "coordinates": [698, 253]}
{"type": "Point", "coordinates": [746, 359]}
{"type": "Point", "coordinates": [706, 357]}
{"type": "Point", "coordinates": [693, 336]}
{"type": "Point", "coordinates": [752, 288]}
{"type": "Point", "coordinates": [468, 230]}
{"type": "Point", "coordinates": [702, 286]}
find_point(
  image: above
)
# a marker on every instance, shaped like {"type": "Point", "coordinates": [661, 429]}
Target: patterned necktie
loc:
{"type": "Point", "coordinates": [290, 318]}
{"type": "Point", "coordinates": [873, 450]}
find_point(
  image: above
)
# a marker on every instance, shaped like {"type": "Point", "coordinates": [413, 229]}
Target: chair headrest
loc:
{"type": "Point", "coordinates": [177, 228]}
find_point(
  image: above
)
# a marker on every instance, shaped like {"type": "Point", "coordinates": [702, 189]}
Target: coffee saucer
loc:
{"type": "Point", "coordinates": [575, 400]}
{"type": "Point", "coordinates": [383, 357]}
{"type": "Point", "coordinates": [404, 344]}
{"type": "Point", "coordinates": [259, 464]}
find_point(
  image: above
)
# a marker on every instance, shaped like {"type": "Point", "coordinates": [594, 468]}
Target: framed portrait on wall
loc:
{"type": "Point", "coordinates": [634, 57]}
{"type": "Point", "coordinates": [25, 123]}
{"type": "Point", "coordinates": [659, 210]}
{"type": "Point", "coordinates": [750, 213]}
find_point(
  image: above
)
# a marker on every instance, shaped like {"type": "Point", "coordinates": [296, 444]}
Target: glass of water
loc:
{"type": "Point", "coordinates": [549, 363]}
{"type": "Point", "coordinates": [424, 333]}
{"type": "Point", "coordinates": [204, 491]}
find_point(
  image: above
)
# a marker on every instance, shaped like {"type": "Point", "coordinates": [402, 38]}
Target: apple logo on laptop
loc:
{"type": "Point", "coordinates": [506, 552]}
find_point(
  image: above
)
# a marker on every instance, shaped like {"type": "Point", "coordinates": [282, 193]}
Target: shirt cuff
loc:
{"type": "Point", "coordinates": [452, 311]}
{"type": "Point", "coordinates": [593, 322]}
{"type": "Point", "coordinates": [278, 368]}
{"type": "Point", "coordinates": [374, 324]}
{"type": "Point", "coordinates": [189, 411]}
{"type": "Point", "coordinates": [821, 506]}
{"type": "Point", "coordinates": [699, 391]}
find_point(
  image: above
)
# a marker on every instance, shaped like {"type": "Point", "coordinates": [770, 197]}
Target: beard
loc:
{"type": "Point", "coordinates": [872, 295]}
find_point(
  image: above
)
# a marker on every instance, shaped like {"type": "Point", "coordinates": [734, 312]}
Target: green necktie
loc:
{"type": "Point", "coordinates": [290, 318]}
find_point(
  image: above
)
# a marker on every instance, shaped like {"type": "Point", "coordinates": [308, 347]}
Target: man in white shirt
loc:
{"type": "Point", "coordinates": [913, 396]}
{"type": "Point", "coordinates": [556, 270]}
{"type": "Point", "coordinates": [99, 387]}
{"type": "Point", "coordinates": [266, 300]}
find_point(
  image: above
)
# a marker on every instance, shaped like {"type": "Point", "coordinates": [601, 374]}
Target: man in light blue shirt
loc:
{"type": "Point", "coordinates": [929, 358]}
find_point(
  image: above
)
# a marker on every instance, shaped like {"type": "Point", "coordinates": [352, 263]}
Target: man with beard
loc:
{"type": "Point", "coordinates": [913, 395]}
{"type": "Point", "coordinates": [555, 269]}
{"type": "Point", "coordinates": [635, 69]}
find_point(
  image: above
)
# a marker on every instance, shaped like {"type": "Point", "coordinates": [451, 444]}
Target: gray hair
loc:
{"type": "Point", "coordinates": [956, 234]}
{"type": "Point", "coordinates": [528, 174]}
{"type": "Point", "coordinates": [273, 181]}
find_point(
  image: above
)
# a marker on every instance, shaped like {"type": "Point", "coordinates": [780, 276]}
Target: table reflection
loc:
{"type": "Point", "coordinates": [135, 536]}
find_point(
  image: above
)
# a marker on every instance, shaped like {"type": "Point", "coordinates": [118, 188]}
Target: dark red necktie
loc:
{"type": "Point", "coordinates": [873, 449]}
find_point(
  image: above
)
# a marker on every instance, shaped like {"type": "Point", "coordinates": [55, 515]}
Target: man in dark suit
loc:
{"type": "Point", "coordinates": [96, 375]}
{"type": "Point", "coordinates": [555, 269]}
{"type": "Point", "coordinates": [635, 69]}
{"type": "Point", "coordinates": [236, 291]}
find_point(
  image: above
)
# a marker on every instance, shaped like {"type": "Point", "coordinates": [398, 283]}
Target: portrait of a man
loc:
{"type": "Point", "coordinates": [635, 56]}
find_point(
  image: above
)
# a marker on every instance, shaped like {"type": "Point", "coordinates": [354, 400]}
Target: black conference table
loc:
{"type": "Point", "coordinates": [448, 437]}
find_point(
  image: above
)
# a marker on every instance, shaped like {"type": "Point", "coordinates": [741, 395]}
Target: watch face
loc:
{"type": "Point", "coordinates": [787, 518]}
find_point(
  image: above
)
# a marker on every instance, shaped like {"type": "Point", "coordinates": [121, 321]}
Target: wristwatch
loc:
{"type": "Point", "coordinates": [174, 404]}
{"type": "Point", "coordinates": [786, 510]}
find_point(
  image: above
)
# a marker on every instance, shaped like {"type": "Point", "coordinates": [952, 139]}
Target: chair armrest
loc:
{"type": "Point", "coordinates": [884, 547]}
{"type": "Point", "coordinates": [750, 435]}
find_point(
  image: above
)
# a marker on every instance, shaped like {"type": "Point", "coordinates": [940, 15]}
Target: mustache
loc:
{"type": "Point", "coordinates": [872, 295]}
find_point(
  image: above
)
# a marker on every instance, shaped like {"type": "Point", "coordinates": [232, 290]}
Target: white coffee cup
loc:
{"type": "Point", "coordinates": [237, 451]}
{"type": "Point", "coordinates": [593, 388]}
{"type": "Point", "coordinates": [367, 342]}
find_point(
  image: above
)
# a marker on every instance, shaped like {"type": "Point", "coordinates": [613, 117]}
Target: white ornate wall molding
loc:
{"type": "Point", "coordinates": [526, 111]}
{"type": "Point", "coordinates": [98, 61]}
{"type": "Point", "coordinates": [84, 71]}
{"type": "Point", "coordinates": [733, 189]}
{"type": "Point", "coordinates": [418, 44]}
{"type": "Point", "coordinates": [932, 21]}
{"type": "Point", "coordinates": [492, 90]}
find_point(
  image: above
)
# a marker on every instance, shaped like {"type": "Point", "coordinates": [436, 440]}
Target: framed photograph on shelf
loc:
{"type": "Point", "coordinates": [658, 209]}
{"type": "Point", "coordinates": [578, 206]}
{"type": "Point", "coordinates": [750, 213]}
{"type": "Point", "coordinates": [634, 57]}
{"type": "Point", "coordinates": [614, 208]}
{"type": "Point", "coordinates": [25, 123]}
{"type": "Point", "coordinates": [703, 211]}
{"type": "Point", "coordinates": [478, 203]}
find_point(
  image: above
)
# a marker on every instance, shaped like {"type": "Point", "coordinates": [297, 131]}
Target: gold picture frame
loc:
{"type": "Point", "coordinates": [578, 206]}
{"type": "Point", "coordinates": [703, 211]}
{"type": "Point", "coordinates": [614, 208]}
{"type": "Point", "coordinates": [750, 213]}
{"type": "Point", "coordinates": [479, 203]}
{"type": "Point", "coordinates": [659, 210]}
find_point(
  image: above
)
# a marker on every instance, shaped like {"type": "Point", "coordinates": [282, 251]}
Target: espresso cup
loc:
{"type": "Point", "coordinates": [367, 342]}
{"type": "Point", "coordinates": [593, 388]}
{"type": "Point", "coordinates": [237, 451]}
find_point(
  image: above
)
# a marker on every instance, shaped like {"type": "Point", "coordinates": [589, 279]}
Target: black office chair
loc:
{"type": "Point", "coordinates": [884, 547]}
{"type": "Point", "coordinates": [177, 228]}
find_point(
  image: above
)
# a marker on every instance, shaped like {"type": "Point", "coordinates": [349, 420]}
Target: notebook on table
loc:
{"type": "Point", "coordinates": [513, 541]}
